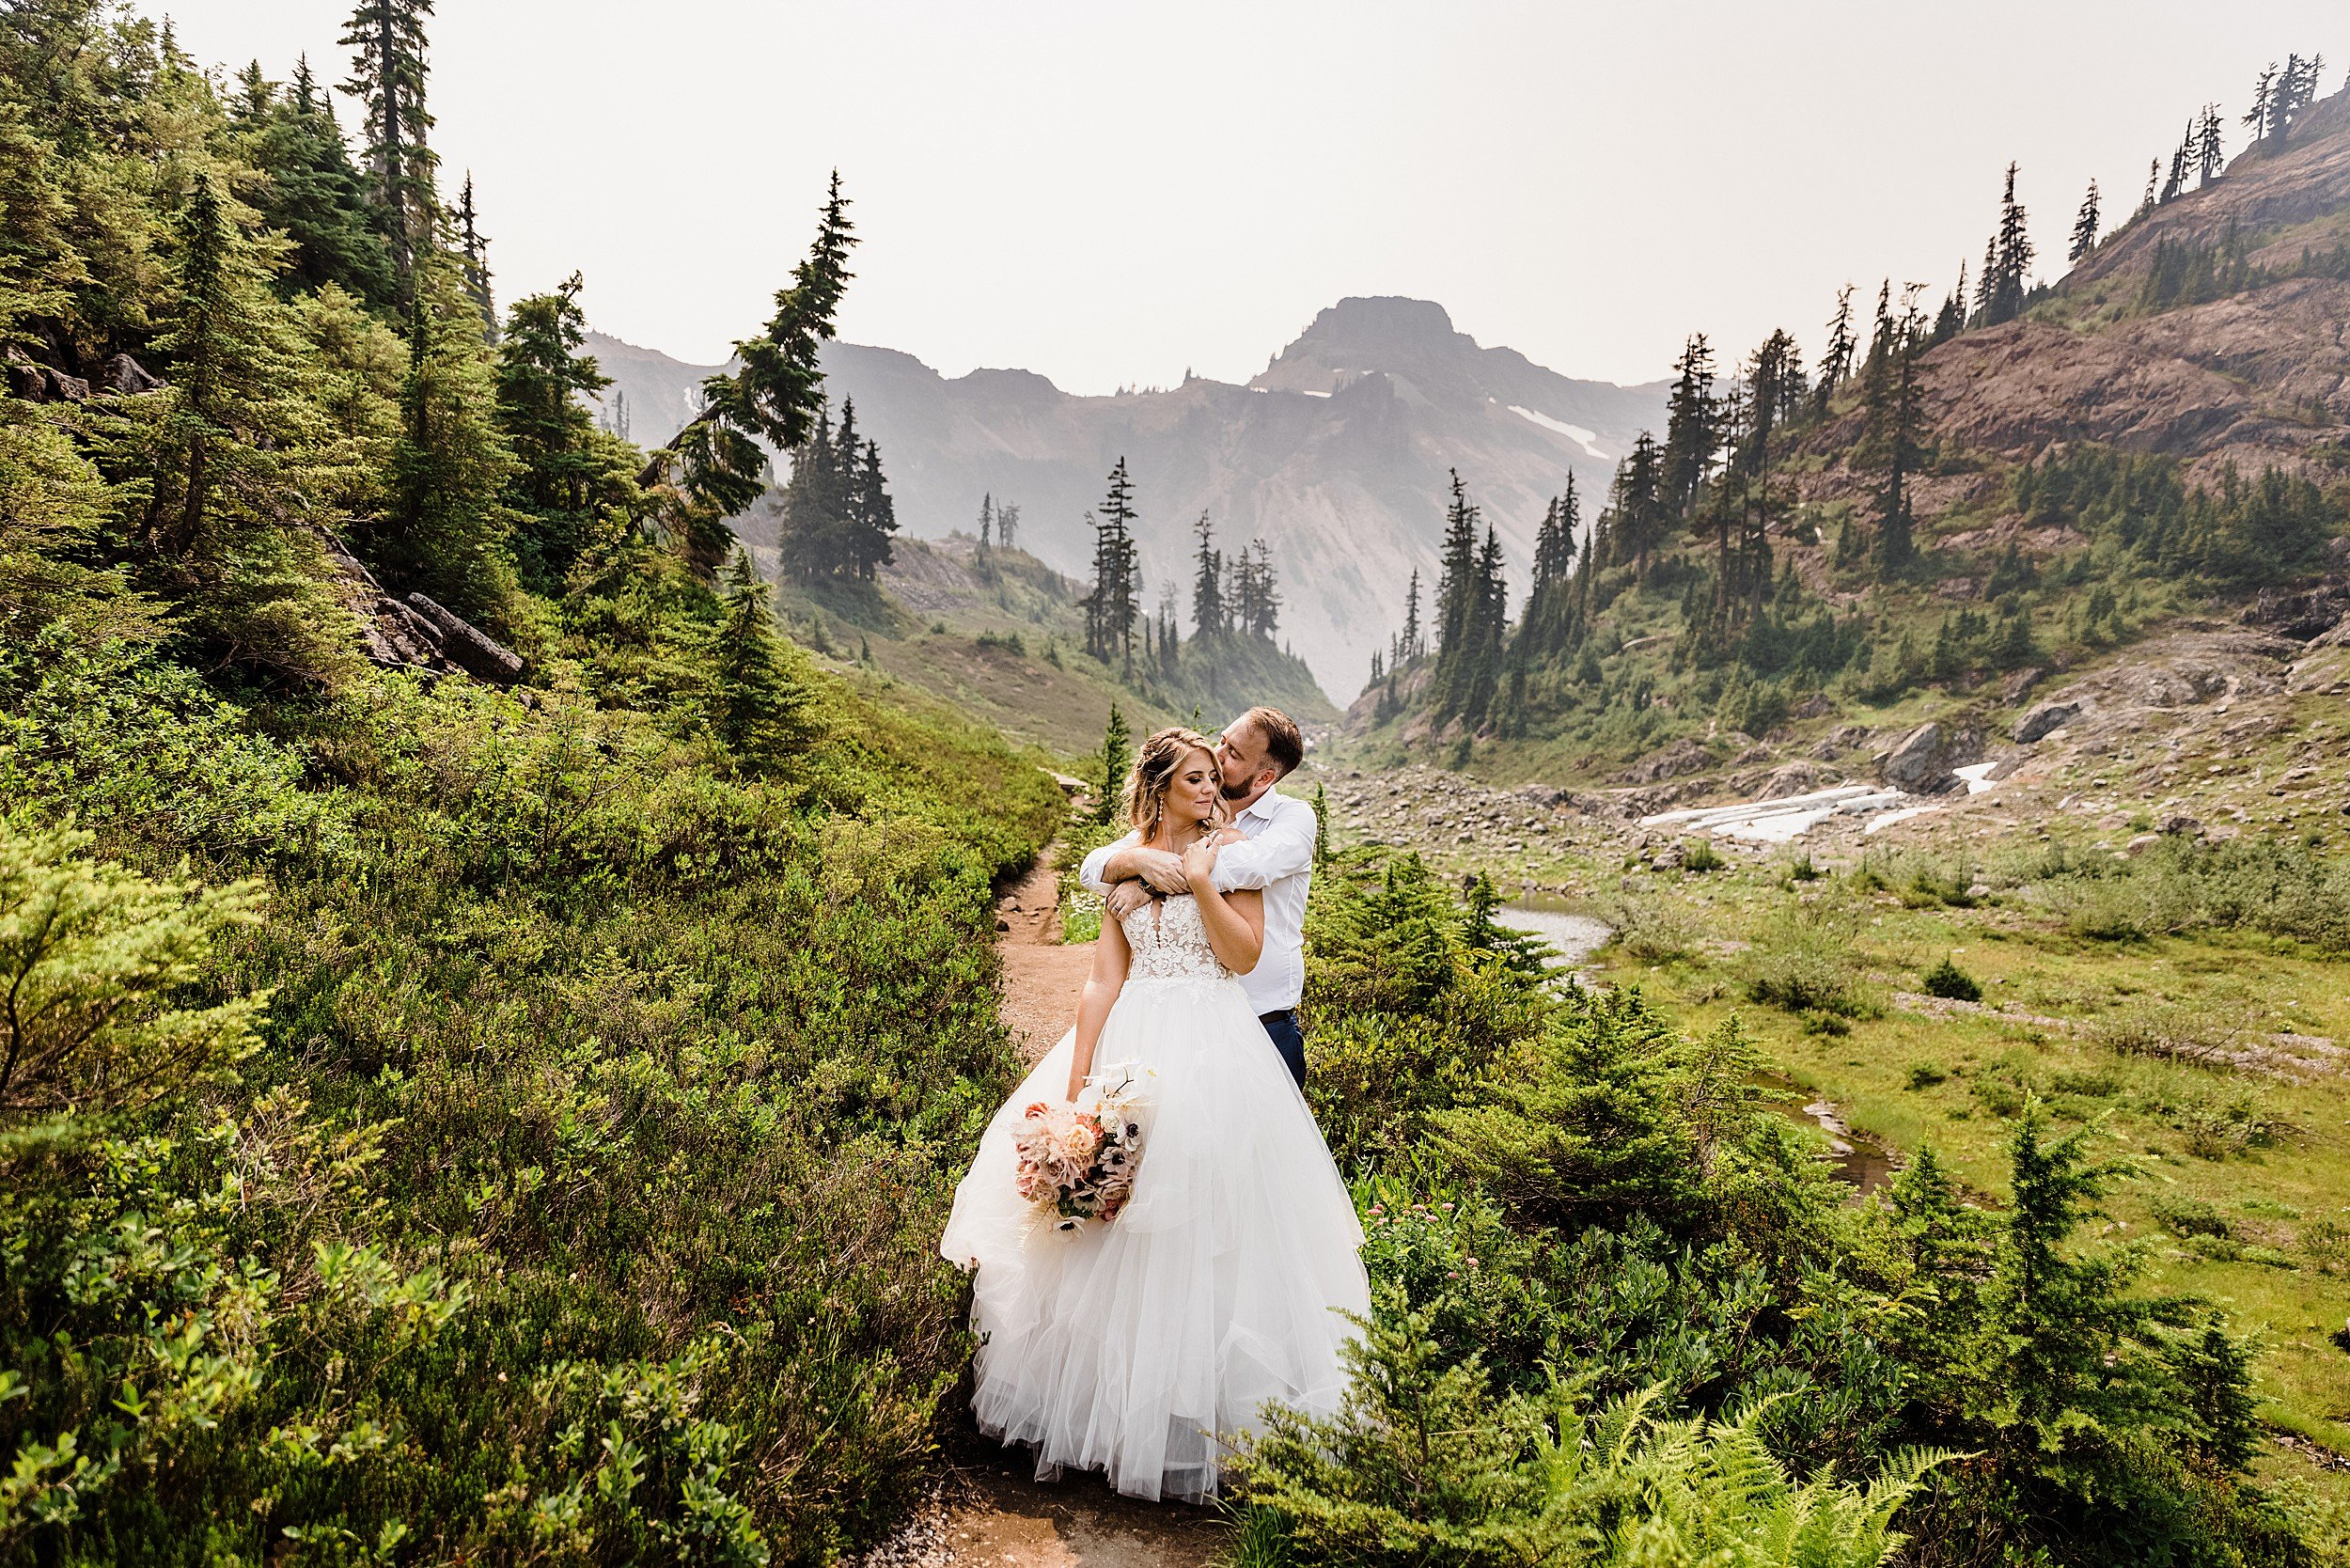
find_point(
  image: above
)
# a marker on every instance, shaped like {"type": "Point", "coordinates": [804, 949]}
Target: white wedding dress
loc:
{"type": "Point", "coordinates": [1140, 1347]}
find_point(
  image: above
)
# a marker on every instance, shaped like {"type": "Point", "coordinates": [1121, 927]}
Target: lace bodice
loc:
{"type": "Point", "coordinates": [1171, 943]}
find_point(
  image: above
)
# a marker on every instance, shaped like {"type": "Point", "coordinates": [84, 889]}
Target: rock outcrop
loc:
{"type": "Point", "coordinates": [2035, 725]}
{"type": "Point", "coordinates": [1921, 764]}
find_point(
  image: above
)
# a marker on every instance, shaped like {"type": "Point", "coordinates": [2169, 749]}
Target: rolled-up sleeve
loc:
{"type": "Point", "coordinates": [1285, 848]}
{"type": "Point", "coordinates": [1091, 875]}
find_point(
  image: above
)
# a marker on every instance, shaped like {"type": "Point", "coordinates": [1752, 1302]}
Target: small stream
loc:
{"type": "Point", "coordinates": [1860, 1159]}
{"type": "Point", "coordinates": [1863, 1162]}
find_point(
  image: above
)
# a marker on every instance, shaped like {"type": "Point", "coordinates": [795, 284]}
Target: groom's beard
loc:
{"type": "Point", "coordinates": [1235, 791]}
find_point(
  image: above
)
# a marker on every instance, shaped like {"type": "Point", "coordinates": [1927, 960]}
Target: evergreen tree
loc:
{"type": "Point", "coordinates": [1407, 645]}
{"type": "Point", "coordinates": [1007, 523]}
{"type": "Point", "coordinates": [872, 519]}
{"type": "Point", "coordinates": [987, 520]}
{"type": "Point", "coordinates": [2182, 164]}
{"type": "Point", "coordinates": [1456, 581]}
{"type": "Point", "coordinates": [2210, 155]}
{"type": "Point", "coordinates": [758, 710]}
{"type": "Point", "coordinates": [2085, 226]}
{"type": "Point", "coordinates": [2009, 261]}
{"type": "Point", "coordinates": [451, 468]}
{"type": "Point", "coordinates": [2262, 117]}
{"type": "Point", "coordinates": [1951, 319]}
{"type": "Point", "coordinates": [473, 247]}
{"type": "Point", "coordinates": [1255, 602]}
{"type": "Point", "coordinates": [1691, 430]}
{"type": "Point", "coordinates": [387, 75]}
{"type": "Point", "coordinates": [1895, 533]}
{"type": "Point", "coordinates": [562, 474]}
{"type": "Point", "coordinates": [1113, 604]}
{"type": "Point", "coordinates": [222, 463]}
{"type": "Point", "coordinates": [1115, 758]}
{"type": "Point", "coordinates": [1637, 518]}
{"type": "Point", "coordinates": [1836, 360]}
{"type": "Point", "coordinates": [2153, 181]}
{"type": "Point", "coordinates": [1549, 619]}
{"type": "Point", "coordinates": [1208, 612]}
{"type": "Point", "coordinates": [715, 467]}
{"type": "Point", "coordinates": [312, 193]}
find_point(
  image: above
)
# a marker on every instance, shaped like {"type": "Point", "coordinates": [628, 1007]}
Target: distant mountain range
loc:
{"type": "Point", "coordinates": [1335, 455]}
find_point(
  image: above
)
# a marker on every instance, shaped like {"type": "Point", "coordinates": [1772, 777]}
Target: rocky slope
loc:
{"type": "Point", "coordinates": [1336, 456]}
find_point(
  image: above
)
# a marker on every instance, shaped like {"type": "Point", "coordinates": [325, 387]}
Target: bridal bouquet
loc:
{"type": "Point", "coordinates": [1077, 1162]}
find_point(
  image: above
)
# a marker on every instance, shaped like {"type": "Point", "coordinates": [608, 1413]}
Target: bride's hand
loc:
{"type": "Point", "coordinates": [1199, 863]}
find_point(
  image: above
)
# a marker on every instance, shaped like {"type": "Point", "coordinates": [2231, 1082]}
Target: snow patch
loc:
{"type": "Point", "coordinates": [1575, 433]}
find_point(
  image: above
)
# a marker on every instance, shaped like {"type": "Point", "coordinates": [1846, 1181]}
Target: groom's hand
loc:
{"type": "Point", "coordinates": [1125, 899]}
{"type": "Point", "coordinates": [1161, 870]}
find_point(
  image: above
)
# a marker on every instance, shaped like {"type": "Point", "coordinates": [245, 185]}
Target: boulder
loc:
{"type": "Point", "coordinates": [2044, 718]}
{"type": "Point", "coordinates": [130, 378]}
{"type": "Point", "coordinates": [1921, 763]}
{"type": "Point", "coordinates": [467, 647]}
{"type": "Point", "coordinates": [1794, 778]}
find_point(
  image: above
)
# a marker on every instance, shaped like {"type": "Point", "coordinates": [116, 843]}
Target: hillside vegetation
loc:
{"type": "Point", "coordinates": [441, 1119]}
{"type": "Point", "coordinates": [1950, 507]}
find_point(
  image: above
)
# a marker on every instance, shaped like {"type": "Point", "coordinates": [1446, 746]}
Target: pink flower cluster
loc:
{"type": "Point", "coordinates": [1077, 1162]}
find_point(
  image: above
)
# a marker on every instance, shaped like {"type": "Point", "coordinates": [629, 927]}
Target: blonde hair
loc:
{"type": "Point", "coordinates": [1154, 774]}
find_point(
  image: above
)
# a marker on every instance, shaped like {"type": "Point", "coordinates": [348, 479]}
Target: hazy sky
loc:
{"type": "Point", "coordinates": [1112, 192]}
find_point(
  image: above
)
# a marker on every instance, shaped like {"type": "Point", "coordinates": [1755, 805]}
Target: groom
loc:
{"type": "Point", "coordinates": [1258, 749]}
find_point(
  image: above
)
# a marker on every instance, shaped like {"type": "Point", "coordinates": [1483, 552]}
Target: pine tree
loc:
{"type": "Point", "coordinates": [474, 248]}
{"type": "Point", "coordinates": [1112, 606]}
{"type": "Point", "coordinates": [1836, 360]}
{"type": "Point", "coordinates": [225, 459]}
{"type": "Point", "coordinates": [2085, 226]}
{"type": "Point", "coordinates": [1116, 759]}
{"type": "Point", "coordinates": [1456, 582]}
{"type": "Point", "coordinates": [987, 520]}
{"type": "Point", "coordinates": [1408, 641]}
{"type": "Point", "coordinates": [1208, 611]}
{"type": "Point", "coordinates": [1691, 430]}
{"type": "Point", "coordinates": [2180, 156]}
{"type": "Point", "coordinates": [1951, 319]}
{"type": "Point", "coordinates": [387, 75]}
{"type": "Point", "coordinates": [451, 468]}
{"type": "Point", "coordinates": [2154, 182]}
{"type": "Point", "coordinates": [313, 194]}
{"type": "Point", "coordinates": [1637, 518]}
{"type": "Point", "coordinates": [758, 709]}
{"type": "Point", "coordinates": [872, 519]}
{"type": "Point", "coordinates": [1895, 533]}
{"type": "Point", "coordinates": [561, 474]}
{"type": "Point", "coordinates": [715, 467]}
{"type": "Point", "coordinates": [2262, 117]}
{"type": "Point", "coordinates": [1549, 609]}
{"type": "Point", "coordinates": [2008, 264]}
{"type": "Point", "coordinates": [2210, 155]}
{"type": "Point", "coordinates": [1007, 523]}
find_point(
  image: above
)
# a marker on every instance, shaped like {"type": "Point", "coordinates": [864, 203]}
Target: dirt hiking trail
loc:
{"type": "Point", "coordinates": [989, 1509]}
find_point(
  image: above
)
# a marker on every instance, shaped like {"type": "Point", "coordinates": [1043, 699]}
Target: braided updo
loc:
{"type": "Point", "coordinates": [1156, 766]}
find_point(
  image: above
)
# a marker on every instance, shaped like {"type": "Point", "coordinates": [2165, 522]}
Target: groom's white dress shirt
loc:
{"type": "Point", "coordinates": [1277, 859]}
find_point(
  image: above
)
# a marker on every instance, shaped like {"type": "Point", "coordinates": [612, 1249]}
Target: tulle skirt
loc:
{"type": "Point", "coordinates": [1144, 1346]}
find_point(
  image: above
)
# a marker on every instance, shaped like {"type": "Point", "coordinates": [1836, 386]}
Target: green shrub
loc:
{"type": "Point", "coordinates": [2190, 1216]}
{"type": "Point", "coordinates": [1925, 1075]}
{"type": "Point", "coordinates": [1802, 961]}
{"type": "Point", "coordinates": [1949, 982]}
{"type": "Point", "coordinates": [1701, 855]}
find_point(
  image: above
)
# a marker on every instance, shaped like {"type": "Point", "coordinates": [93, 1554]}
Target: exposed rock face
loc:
{"type": "Point", "coordinates": [1682, 757]}
{"type": "Point", "coordinates": [1921, 764]}
{"type": "Point", "coordinates": [1796, 778]}
{"type": "Point", "coordinates": [2035, 725]}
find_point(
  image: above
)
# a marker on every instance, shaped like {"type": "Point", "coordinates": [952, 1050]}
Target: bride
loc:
{"type": "Point", "coordinates": [1143, 1345]}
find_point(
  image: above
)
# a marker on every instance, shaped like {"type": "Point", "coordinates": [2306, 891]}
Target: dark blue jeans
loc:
{"type": "Point", "coordinates": [1288, 1039]}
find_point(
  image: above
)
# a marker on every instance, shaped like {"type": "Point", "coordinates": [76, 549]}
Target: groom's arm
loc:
{"type": "Point", "coordinates": [1127, 860]}
{"type": "Point", "coordinates": [1285, 848]}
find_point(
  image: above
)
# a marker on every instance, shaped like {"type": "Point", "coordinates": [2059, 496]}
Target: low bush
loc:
{"type": "Point", "coordinates": [1949, 982]}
